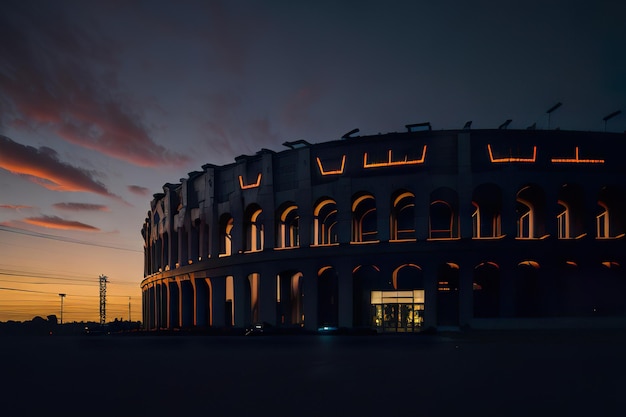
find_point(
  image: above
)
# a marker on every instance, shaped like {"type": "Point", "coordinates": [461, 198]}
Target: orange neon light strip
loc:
{"type": "Point", "coordinates": [390, 162]}
{"type": "Point", "coordinates": [255, 185]}
{"type": "Point", "coordinates": [511, 158]}
{"type": "Point", "coordinates": [577, 160]}
{"type": "Point", "coordinates": [332, 172]}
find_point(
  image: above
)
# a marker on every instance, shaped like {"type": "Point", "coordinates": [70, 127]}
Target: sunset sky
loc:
{"type": "Point", "coordinates": [102, 102]}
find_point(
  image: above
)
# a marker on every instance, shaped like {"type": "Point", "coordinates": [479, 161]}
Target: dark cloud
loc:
{"type": "Point", "coordinates": [43, 167]}
{"type": "Point", "coordinates": [139, 190]}
{"type": "Point", "coordinates": [54, 222]}
{"type": "Point", "coordinates": [55, 75]}
{"type": "Point", "coordinates": [80, 207]}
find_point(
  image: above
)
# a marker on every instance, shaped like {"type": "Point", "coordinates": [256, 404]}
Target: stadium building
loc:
{"type": "Point", "coordinates": [397, 232]}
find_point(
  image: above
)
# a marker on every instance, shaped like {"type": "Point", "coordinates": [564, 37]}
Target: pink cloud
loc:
{"type": "Point", "coordinates": [80, 207]}
{"type": "Point", "coordinates": [53, 222]}
{"type": "Point", "coordinates": [43, 167]}
{"type": "Point", "coordinates": [139, 190]}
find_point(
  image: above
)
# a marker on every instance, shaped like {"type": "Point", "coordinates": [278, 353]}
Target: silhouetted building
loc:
{"type": "Point", "coordinates": [398, 232]}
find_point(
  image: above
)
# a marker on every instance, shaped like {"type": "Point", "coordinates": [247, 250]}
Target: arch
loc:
{"type": "Point", "coordinates": [253, 292]}
{"type": "Point", "coordinates": [325, 222]}
{"type": "Point", "coordinates": [407, 277]}
{"type": "Point", "coordinates": [531, 209]}
{"type": "Point", "coordinates": [327, 297]}
{"type": "Point", "coordinates": [253, 228]}
{"type": "Point", "coordinates": [448, 294]}
{"type": "Point", "coordinates": [487, 213]}
{"type": "Point", "coordinates": [364, 224]}
{"type": "Point", "coordinates": [443, 214]}
{"type": "Point", "coordinates": [365, 278]}
{"type": "Point", "coordinates": [289, 298]}
{"type": "Point", "coordinates": [571, 212]}
{"type": "Point", "coordinates": [402, 217]}
{"type": "Point", "coordinates": [528, 291]}
{"type": "Point", "coordinates": [287, 226]}
{"type": "Point", "coordinates": [611, 217]}
{"type": "Point", "coordinates": [226, 224]}
{"type": "Point", "coordinates": [486, 290]}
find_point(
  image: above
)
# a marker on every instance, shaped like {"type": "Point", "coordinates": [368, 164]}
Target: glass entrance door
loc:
{"type": "Point", "coordinates": [397, 311]}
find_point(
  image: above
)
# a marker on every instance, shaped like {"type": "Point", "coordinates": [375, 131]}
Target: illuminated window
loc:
{"type": "Point", "coordinates": [288, 235]}
{"type": "Point", "coordinates": [364, 225]}
{"type": "Point", "coordinates": [325, 222]}
{"type": "Point", "coordinates": [397, 311]}
{"type": "Point", "coordinates": [254, 229]}
{"type": "Point", "coordinates": [402, 222]}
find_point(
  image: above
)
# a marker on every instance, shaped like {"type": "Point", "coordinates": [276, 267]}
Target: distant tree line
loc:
{"type": "Point", "coordinates": [50, 326]}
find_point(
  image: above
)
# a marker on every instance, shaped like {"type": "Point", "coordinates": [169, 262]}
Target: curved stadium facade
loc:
{"type": "Point", "coordinates": [397, 232]}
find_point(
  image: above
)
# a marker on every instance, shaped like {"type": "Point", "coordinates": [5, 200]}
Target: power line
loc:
{"type": "Point", "coordinates": [25, 232]}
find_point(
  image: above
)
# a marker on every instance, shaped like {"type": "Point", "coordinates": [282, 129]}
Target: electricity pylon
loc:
{"type": "Point", "coordinates": [103, 299]}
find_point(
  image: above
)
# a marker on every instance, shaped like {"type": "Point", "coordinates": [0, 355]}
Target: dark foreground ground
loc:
{"type": "Point", "coordinates": [548, 373]}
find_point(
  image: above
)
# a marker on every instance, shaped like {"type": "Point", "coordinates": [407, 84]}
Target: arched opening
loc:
{"type": "Point", "coordinates": [486, 290]}
{"type": "Point", "coordinates": [287, 228]}
{"type": "Point", "coordinates": [289, 299]}
{"type": "Point", "coordinates": [611, 216]}
{"type": "Point", "coordinates": [229, 302]}
{"type": "Point", "coordinates": [365, 278]}
{"type": "Point", "coordinates": [364, 224]}
{"type": "Point", "coordinates": [571, 212]}
{"type": "Point", "coordinates": [528, 291]}
{"type": "Point", "coordinates": [402, 217]}
{"type": "Point", "coordinates": [531, 210]}
{"type": "Point", "coordinates": [226, 241]}
{"type": "Point", "coordinates": [187, 300]}
{"type": "Point", "coordinates": [448, 295]}
{"type": "Point", "coordinates": [254, 297]}
{"type": "Point", "coordinates": [486, 216]}
{"type": "Point", "coordinates": [253, 225]}
{"type": "Point", "coordinates": [325, 222]}
{"type": "Point", "coordinates": [443, 214]}
{"type": "Point", "coordinates": [327, 298]}
{"type": "Point", "coordinates": [203, 303]}
{"type": "Point", "coordinates": [174, 305]}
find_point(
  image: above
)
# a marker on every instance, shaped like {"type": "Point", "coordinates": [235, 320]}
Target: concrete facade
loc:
{"type": "Point", "coordinates": [400, 232]}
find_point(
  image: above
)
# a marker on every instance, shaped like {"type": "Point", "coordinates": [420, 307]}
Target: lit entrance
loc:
{"type": "Point", "coordinates": [397, 311]}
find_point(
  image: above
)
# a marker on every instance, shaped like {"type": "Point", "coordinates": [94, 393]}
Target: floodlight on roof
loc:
{"type": "Point", "coordinates": [468, 125]}
{"type": "Point", "coordinates": [610, 116]}
{"type": "Point", "coordinates": [416, 127]}
{"type": "Point", "coordinates": [551, 109]}
{"type": "Point", "coordinates": [532, 127]}
{"type": "Point", "coordinates": [505, 124]}
{"type": "Point", "coordinates": [350, 133]}
{"type": "Point", "coordinates": [297, 144]}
